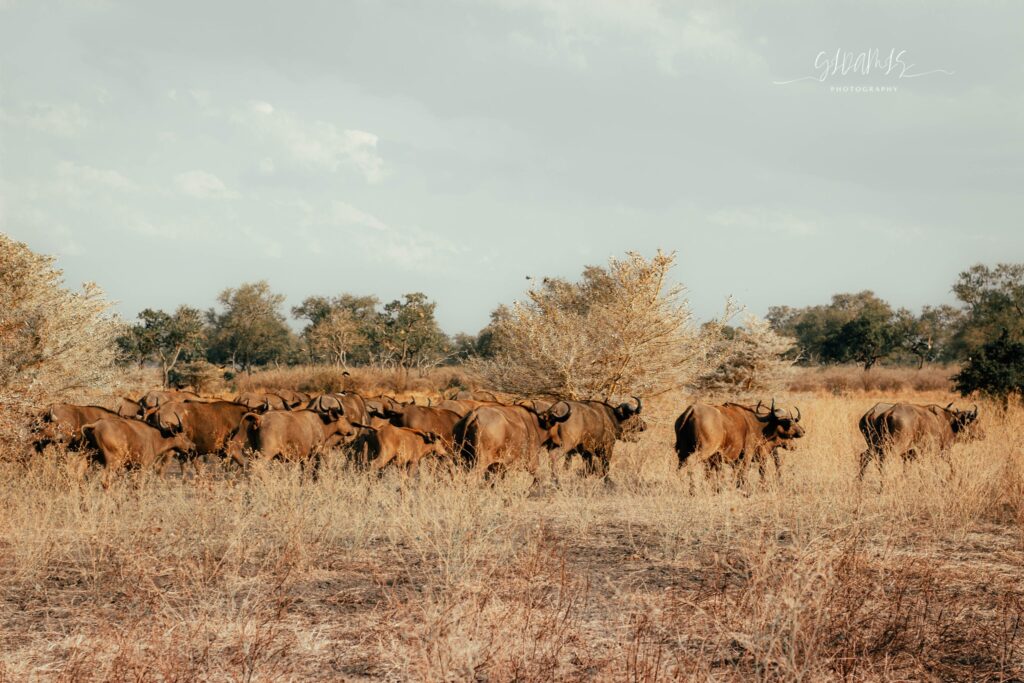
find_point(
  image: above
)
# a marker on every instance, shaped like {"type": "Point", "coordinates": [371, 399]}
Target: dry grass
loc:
{"type": "Point", "coordinates": [851, 379]}
{"type": "Point", "coordinates": [915, 575]}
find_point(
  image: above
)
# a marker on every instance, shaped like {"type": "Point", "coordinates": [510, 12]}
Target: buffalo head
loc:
{"type": "Point", "coordinates": [965, 423]}
{"type": "Point", "coordinates": [558, 412]}
{"type": "Point", "coordinates": [629, 422]}
{"type": "Point", "coordinates": [780, 425]}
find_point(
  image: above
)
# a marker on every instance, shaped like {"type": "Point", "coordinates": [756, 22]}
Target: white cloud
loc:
{"type": "Point", "coordinates": [60, 120]}
{"type": "Point", "coordinates": [202, 185]}
{"type": "Point", "coordinates": [346, 214]}
{"type": "Point", "coordinates": [316, 143]}
{"type": "Point", "coordinates": [69, 171]}
{"type": "Point", "coordinates": [574, 27]}
{"type": "Point", "coordinates": [762, 219]}
{"type": "Point", "coordinates": [267, 166]}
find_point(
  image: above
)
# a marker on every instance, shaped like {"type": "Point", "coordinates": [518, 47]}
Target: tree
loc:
{"type": "Point", "coordinates": [340, 328]}
{"type": "Point", "coordinates": [54, 342]}
{"type": "Point", "coordinates": [622, 329]}
{"type": "Point", "coordinates": [996, 370]}
{"type": "Point", "coordinates": [165, 338]}
{"type": "Point", "coordinates": [251, 329]}
{"type": "Point", "coordinates": [993, 299]}
{"type": "Point", "coordinates": [751, 359]}
{"type": "Point", "coordinates": [407, 335]}
{"type": "Point", "coordinates": [854, 327]}
{"type": "Point", "coordinates": [335, 336]}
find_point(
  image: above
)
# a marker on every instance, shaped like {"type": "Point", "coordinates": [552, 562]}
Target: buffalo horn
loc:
{"type": "Point", "coordinates": [639, 405]}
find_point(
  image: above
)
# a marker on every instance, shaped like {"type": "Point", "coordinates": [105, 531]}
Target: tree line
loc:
{"type": "Point", "coordinates": [249, 327]}
{"type": "Point", "coordinates": [863, 328]}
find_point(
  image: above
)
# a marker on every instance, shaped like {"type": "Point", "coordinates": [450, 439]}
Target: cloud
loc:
{"type": "Point", "coordinates": [60, 120]}
{"type": "Point", "coordinates": [574, 27]}
{"type": "Point", "coordinates": [346, 214]}
{"type": "Point", "coordinates": [315, 143]}
{"type": "Point", "coordinates": [764, 219]}
{"type": "Point", "coordinates": [69, 171]}
{"type": "Point", "coordinates": [202, 185]}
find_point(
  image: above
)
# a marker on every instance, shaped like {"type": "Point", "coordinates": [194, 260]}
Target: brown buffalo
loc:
{"type": "Point", "coordinates": [126, 407]}
{"type": "Point", "coordinates": [402, 446]}
{"type": "Point", "coordinates": [62, 424]}
{"type": "Point", "coordinates": [295, 435]}
{"type": "Point", "coordinates": [464, 406]}
{"type": "Point", "coordinates": [906, 429]}
{"type": "Point", "coordinates": [131, 443]}
{"type": "Point", "coordinates": [262, 401]}
{"type": "Point", "coordinates": [208, 425]}
{"type": "Point", "coordinates": [493, 437]}
{"type": "Point", "coordinates": [438, 421]}
{"type": "Point", "coordinates": [592, 430]}
{"type": "Point", "coordinates": [346, 403]}
{"type": "Point", "coordinates": [152, 399]}
{"type": "Point", "coordinates": [736, 435]}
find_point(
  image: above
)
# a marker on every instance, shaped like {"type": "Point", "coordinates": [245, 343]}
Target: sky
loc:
{"type": "Point", "coordinates": [786, 151]}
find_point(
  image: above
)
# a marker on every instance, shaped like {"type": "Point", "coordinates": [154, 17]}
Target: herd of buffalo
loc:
{"type": "Point", "coordinates": [474, 429]}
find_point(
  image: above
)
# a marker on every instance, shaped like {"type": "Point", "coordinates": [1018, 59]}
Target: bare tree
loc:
{"type": "Point", "coordinates": [623, 329]}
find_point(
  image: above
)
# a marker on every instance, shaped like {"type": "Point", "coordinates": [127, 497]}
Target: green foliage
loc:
{"type": "Point", "coordinates": [164, 338]}
{"type": "Point", "coordinates": [996, 369]}
{"type": "Point", "coordinates": [250, 330]}
{"type": "Point", "coordinates": [407, 334]}
{"type": "Point", "coordinates": [993, 301]}
{"type": "Point", "coordinates": [854, 327]}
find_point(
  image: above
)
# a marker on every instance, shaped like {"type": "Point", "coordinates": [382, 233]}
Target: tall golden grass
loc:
{"type": "Point", "coordinates": [914, 574]}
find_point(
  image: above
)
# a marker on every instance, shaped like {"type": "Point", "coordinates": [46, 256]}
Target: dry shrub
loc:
{"type": "Point", "coordinates": [623, 329]}
{"type": "Point", "coordinates": [846, 379]}
{"type": "Point", "coordinates": [363, 380]}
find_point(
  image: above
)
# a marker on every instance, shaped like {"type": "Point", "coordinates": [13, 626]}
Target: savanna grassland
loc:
{"type": "Point", "coordinates": [914, 574]}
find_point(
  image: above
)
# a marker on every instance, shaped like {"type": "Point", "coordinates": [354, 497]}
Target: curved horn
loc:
{"type": "Point", "coordinates": [797, 413]}
{"type": "Point", "coordinates": [950, 405]}
{"type": "Point", "coordinates": [772, 409]}
{"type": "Point", "coordinates": [639, 404]}
{"type": "Point", "coordinates": [181, 427]}
{"type": "Point", "coordinates": [974, 412]}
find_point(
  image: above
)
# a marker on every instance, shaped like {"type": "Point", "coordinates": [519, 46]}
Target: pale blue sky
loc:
{"type": "Point", "coordinates": [170, 149]}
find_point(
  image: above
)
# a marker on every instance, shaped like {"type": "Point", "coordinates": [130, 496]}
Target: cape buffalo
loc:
{"type": "Point", "coordinates": [122, 442]}
{"type": "Point", "coordinates": [403, 446]}
{"type": "Point", "coordinates": [438, 421]}
{"type": "Point", "coordinates": [126, 407]}
{"type": "Point", "coordinates": [735, 435]}
{"type": "Point", "coordinates": [154, 398]}
{"type": "Point", "coordinates": [351, 405]}
{"type": "Point", "coordinates": [287, 435]}
{"type": "Point", "coordinates": [62, 424]}
{"type": "Point", "coordinates": [207, 425]}
{"type": "Point", "coordinates": [262, 401]}
{"type": "Point", "coordinates": [492, 437]}
{"type": "Point", "coordinates": [907, 429]}
{"type": "Point", "coordinates": [593, 428]}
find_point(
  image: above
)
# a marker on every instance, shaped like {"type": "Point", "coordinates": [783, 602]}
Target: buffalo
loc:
{"type": "Point", "coordinates": [295, 435]}
{"type": "Point", "coordinates": [153, 399]}
{"type": "Point", "coordinates": [62, 424]}
{"type": "Point", "coordinates": [208, 425]}
{"type": "Point", "coordinates": [130, 443]}
{"type": "Point", "coordinates": [439, 421]}
{"type": "Point", "coordinates": [401, 445]}
{"type": "Point", "coordinates": [735, 435]}
{"type": "Point", "coordinates": [592, 428]}
{"type": "Point", "coordinates": [493, 437]}
{"type": "Point", "coordinates": [126, 407]}
{"type": "Point", "coordinates": [906, 429]}
{"type": "Point", "coordinates": [262, 401]}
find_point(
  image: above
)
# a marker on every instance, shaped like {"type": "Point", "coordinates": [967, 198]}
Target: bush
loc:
{"type": "Point", "coordinates": [995, 370]}
{"type": "Point", "coordinates": [623, 329]}
{"type": "Point", "coordinates": [55, 343]}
